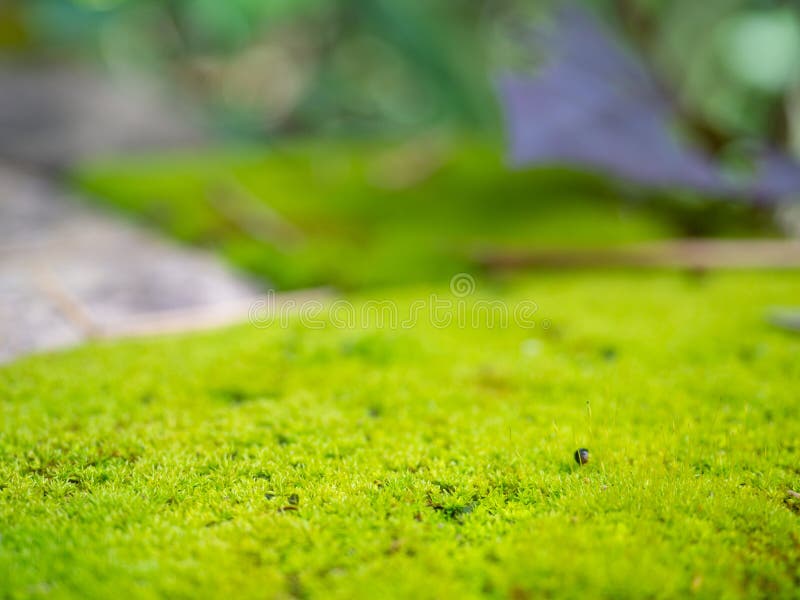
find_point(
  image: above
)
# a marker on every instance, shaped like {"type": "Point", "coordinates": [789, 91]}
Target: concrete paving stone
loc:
{"type": "Point", "coordinates": [69, 272]}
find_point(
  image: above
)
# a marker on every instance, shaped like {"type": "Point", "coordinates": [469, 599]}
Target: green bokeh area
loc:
{"type": "Point", "coordinates": [424, 462]}
{"type": "Point", "coordinates": [365, 214]}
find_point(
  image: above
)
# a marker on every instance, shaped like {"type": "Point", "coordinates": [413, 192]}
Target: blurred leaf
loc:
{"type": "Point", "coordinates": [763, 49]}
{"type": "Point", "coordinates": [594, 104]}
{"type": "Point", "coordinates": [437, 51]}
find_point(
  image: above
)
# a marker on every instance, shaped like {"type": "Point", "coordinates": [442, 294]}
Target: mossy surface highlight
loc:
{"type": "Point", "coordinates": [423, 461]}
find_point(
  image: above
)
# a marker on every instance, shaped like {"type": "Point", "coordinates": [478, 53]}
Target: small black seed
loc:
{"type": "Point", "coordinates": [581, 456]}
{"type": "Point", "coordinates": [608, 353]}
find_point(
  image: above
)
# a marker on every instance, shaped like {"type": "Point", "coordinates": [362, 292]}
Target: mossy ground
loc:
{"type": "Point", "coordinates": [420, 462]}
{"type": "Point", "coordinates": [416, 462]}
{"type": "Point", "coordinates": [383, 214]}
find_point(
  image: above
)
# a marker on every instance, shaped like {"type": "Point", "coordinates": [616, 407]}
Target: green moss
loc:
{"type": "Point", "coordinates": [420, 462]}
{"type": "Point", "coordinates": [367, 214]}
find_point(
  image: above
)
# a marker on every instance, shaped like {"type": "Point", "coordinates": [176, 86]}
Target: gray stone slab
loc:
{"type": "Point", "coordinates": [54, 115]}
{"type": "Point", "coordinates": [69, 272]}
{"type": "Point", "coordinates": [29, 320]}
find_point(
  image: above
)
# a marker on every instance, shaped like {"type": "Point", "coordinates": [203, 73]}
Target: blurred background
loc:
{"type": "Point", "coordinates": [260, 69]}
{"type": "Point", "coordinates": [361, 143]}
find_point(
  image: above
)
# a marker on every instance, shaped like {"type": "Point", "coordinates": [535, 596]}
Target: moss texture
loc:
{"type": "Point", "coordinates": [420, 462]}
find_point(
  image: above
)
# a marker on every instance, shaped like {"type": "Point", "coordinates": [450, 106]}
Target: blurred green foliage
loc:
{"type": "Point", "coordinates": [319, 65]}
{"type": "Point", "coordinates": [733, 65]}
{"type": "Point", "coordinates": [366, 213]}
{"type": "Point", "coordinates": [377, 213]}
{"type": "Point", "coordinates": [366, 66]}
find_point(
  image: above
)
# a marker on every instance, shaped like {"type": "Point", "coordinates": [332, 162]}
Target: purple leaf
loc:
{"type": "Point", "coordinates": [595, 105]}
